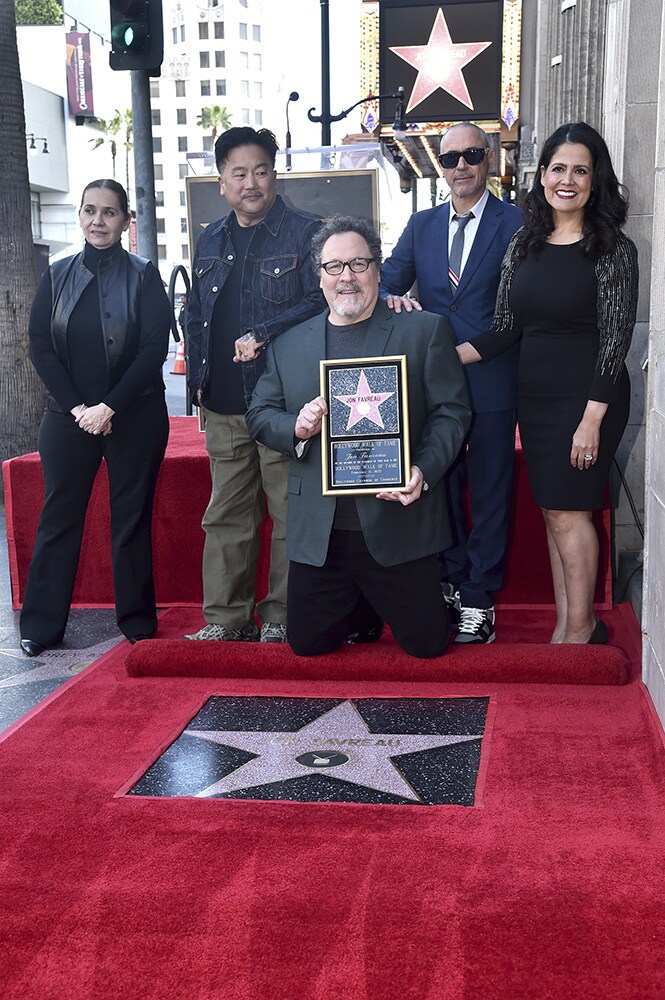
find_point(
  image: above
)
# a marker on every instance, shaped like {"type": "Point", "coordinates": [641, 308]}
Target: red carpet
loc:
{"type": "Point", "coordinates": [182, 494]}
{"type": "Point", "coordinates": [553, 888]}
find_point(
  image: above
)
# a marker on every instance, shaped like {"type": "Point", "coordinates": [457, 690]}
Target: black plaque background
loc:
{"type": "Point", "coordinates": [409, 22]}
{"type": "Point", "coordinates": [373, 433]}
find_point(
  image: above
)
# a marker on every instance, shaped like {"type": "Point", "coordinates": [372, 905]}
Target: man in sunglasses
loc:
{"type": "Point", "coordinates": [377, 548]}
{"type": "Point", "coordinates": [454, 253]}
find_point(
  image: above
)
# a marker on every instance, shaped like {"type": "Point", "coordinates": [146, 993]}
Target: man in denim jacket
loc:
{"type": "Point", "coordinates": [252, 279]}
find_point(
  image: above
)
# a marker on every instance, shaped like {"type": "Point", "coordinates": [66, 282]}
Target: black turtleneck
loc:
{"type": "Point", "coordinates": [86, 379]}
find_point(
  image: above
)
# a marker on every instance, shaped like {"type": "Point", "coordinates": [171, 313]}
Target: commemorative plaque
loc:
{"type": "Point", "coordinates": [365, 434]}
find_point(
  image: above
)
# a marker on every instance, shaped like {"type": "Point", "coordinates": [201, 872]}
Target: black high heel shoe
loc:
{"type": "Point", "coordinates": [600, 635]}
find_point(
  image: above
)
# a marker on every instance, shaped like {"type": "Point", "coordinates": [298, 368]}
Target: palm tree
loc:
{"type": "Point", "coordinates": [21, 392]}
{"type": "Point", "coordinates": [121, 122]}
{"type": "Point", "coordinates": [214, 117]}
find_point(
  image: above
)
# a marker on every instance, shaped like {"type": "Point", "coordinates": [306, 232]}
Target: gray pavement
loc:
{"type": "Point", "coordinates": [90, 632]}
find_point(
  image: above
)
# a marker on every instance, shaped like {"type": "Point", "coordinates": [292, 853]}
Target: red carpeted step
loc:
{"type": "Point", "coordinates": [383, 661]}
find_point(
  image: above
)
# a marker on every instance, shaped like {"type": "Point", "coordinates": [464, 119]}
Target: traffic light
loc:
{"type": "Point", "coordinates": [137, 35]}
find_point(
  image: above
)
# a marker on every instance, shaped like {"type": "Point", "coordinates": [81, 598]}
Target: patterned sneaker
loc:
{"type": "Point", "coordinates": [247, 633]}
{"type": "Point", "coordinates": [476, 625]}
{"type": "Point", "coordinates": [452, 599]}
{"type": "Point", "coordinates": [273, 632]}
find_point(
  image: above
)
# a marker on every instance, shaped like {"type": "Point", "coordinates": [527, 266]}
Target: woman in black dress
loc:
{"type": "Point", "coordinates": [569, 293]}
{"type": "Point", "coordinates": [99, 330]}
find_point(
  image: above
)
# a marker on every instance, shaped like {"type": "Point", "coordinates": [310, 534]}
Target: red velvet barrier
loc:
{"type": "Point", "coordinates": [182, 494]}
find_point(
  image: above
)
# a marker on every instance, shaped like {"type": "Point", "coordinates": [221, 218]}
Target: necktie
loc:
{"type": "Point", "coordinates": [456, 250]}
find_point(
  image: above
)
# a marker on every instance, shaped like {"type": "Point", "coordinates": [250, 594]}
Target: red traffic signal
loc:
{"type": "Point", "coordinates": [137, 35]}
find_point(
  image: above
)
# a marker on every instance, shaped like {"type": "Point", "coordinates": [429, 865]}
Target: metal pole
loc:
{"type": "Point", "coordinates": [325, 73]}
{"type": "Point", "coordinates": [144, 173]}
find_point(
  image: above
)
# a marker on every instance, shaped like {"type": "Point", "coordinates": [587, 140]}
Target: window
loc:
{"type": "Point", "coordinates": [220, 89]}
{"type": "Point", "coordinates": [207, 144]}
{"type": "Point", "coordinates": [156, 144]}
{"type": "Point", "coordinates": [244, 88]}
{"type": "Point", "coordinates": [161, 252]}
{"type": "Point", "coordinates": [182, 143]}
{"type": "Point", "coordinates": [184, 249]}
{"type": "Point", "coordinates": [183, 225]}
{"type": "Point", "coordinates": [220, 60]}
{"type": "Point", "coordinates": [183, 170]}
{"type": "Point", "coordinates": [159, 199]}
{"type": "Point", "coordinates": [256, 32]}
{"type": "Point", "coordinates": [180, 88]}
{"type": "Point", "coordinates": [258, 90]}
{"type": "Point", "coordinates": [159, 172]}
{"type": "Point", "coordinates": [182, 32]}
{"type": "Point", "coordinates": [258, 118]}
{"type": "Point", "coordinates": [243, 31]}
{"type": "Point", "coordinates": [204, 60]}
{"type": "Point", "coordinates": [219, 29]}
{"type": "Point", "coordinates": [245, 116]}
{"type": "Point", "coordinates": [204, 29]}
{"type": "Point", "coordinates": [175, 36]}
{"type": "Point", "coordinates": [161, 225]}
{"type": "Point", "coordinates": [256, 59]}
{"type": "Point", "coordinates": [205, 88]}
{"type": "Point", "coordinates": [181, 116]}
{"type": "Point", "coordinates": [154, 88]}
{"type": "Point", "coordinates": [156, 117]}
{"type": "Point", "coordinates": [244, 60]}
{"type": "Point", "coordinates": [182, 199]}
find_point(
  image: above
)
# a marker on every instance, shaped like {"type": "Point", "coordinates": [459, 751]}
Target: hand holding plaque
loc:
{"type": "Point", "coordinates": [365, 434]}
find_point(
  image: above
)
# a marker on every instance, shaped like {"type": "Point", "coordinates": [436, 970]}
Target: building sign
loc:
{"type": "Point", "coordinates": [79, 75]}
{"type": "Point", "coordinates": [447, 56]}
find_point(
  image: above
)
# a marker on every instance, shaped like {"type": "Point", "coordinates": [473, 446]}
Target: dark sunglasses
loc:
{"type": "Point", "coordinates": [473, 156]}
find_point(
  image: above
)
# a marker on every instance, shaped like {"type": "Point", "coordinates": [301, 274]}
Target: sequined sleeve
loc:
{"type": "Point", "coordinates": [503, 331]}
{"type": "Point", "coordinates": [617, 274]}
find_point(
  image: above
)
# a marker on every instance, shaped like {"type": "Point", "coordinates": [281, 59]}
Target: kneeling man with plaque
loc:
{"type": "Point", "coordinates": [372, 409]}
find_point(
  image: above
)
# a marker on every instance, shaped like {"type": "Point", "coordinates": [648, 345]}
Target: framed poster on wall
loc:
{"type": "Point", "coordinates": [322, 193]}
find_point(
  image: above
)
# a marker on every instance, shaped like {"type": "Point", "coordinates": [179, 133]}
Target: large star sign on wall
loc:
{"type": "Point", "coordinates": [440, 63]}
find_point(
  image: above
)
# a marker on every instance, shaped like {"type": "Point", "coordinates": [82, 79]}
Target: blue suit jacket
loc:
{"type": "Point", "coordinates": [421, 255]}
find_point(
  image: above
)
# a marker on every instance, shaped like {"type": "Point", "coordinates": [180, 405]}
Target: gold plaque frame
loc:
{"type": "Point", "coordinates": [365, 444]}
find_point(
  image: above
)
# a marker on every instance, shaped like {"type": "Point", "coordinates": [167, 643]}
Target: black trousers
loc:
{"type": "Point", "coordinates": [70, 459]}
{"type": "Point", "coordinates": [322, 600]}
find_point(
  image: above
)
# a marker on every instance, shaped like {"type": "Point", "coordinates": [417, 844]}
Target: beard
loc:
{"type": "Point", "coordinates": [349, 308]}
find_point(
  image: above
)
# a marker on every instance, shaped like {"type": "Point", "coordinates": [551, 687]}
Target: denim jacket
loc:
{"type": "Point", "coordinates": [279, 286]}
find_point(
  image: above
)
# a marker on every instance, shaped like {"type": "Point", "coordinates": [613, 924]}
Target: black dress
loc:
{"type": "Point", "coordinates": [553, 298]}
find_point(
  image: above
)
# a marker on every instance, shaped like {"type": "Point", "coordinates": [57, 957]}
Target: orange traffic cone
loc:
{"type": "Point", "coordinates": [179, 363]}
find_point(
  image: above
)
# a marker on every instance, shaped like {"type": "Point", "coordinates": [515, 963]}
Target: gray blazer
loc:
{"type": "Point", "coordinates": [439, 417]}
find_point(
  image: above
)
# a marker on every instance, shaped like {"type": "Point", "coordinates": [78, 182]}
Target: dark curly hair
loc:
{"type": "Point", "coordinates": [338, 225]}
{"type": "Point", "coordinates": [244, 136]}
{"type": "Point", "coordinates": [604, 213]}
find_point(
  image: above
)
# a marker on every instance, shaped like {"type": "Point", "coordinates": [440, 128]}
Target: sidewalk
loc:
{"type": "Point", "coordinates": [90, 632]}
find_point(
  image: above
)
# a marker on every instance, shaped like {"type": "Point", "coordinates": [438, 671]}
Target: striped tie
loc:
{"type": "Point", "coordinates": [457, 249]}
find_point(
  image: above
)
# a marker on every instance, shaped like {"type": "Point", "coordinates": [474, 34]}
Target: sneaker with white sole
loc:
{"type": "Point", "coordinates": [476, 625]}
{"type": "Point", "coordinates": [273, 632]}
{"type": "Point", "coordinates": [218, 633]}
{"type": "Point", "coordinates": [452, 599]}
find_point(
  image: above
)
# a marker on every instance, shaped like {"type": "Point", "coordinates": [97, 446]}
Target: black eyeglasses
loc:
{"type": "Point", "coordinates": [357, 265]}
{"type": "Point", "coordinates": [473, 156]}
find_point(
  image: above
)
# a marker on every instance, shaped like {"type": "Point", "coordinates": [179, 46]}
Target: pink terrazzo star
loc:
{"type": "Point", "coordinates": [440, 64]}
{"type": "Point", "coordinates": [364, 403]}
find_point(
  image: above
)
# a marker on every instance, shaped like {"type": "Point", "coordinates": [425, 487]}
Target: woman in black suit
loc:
{"type": "Point", "coordinates": [98, 335]}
